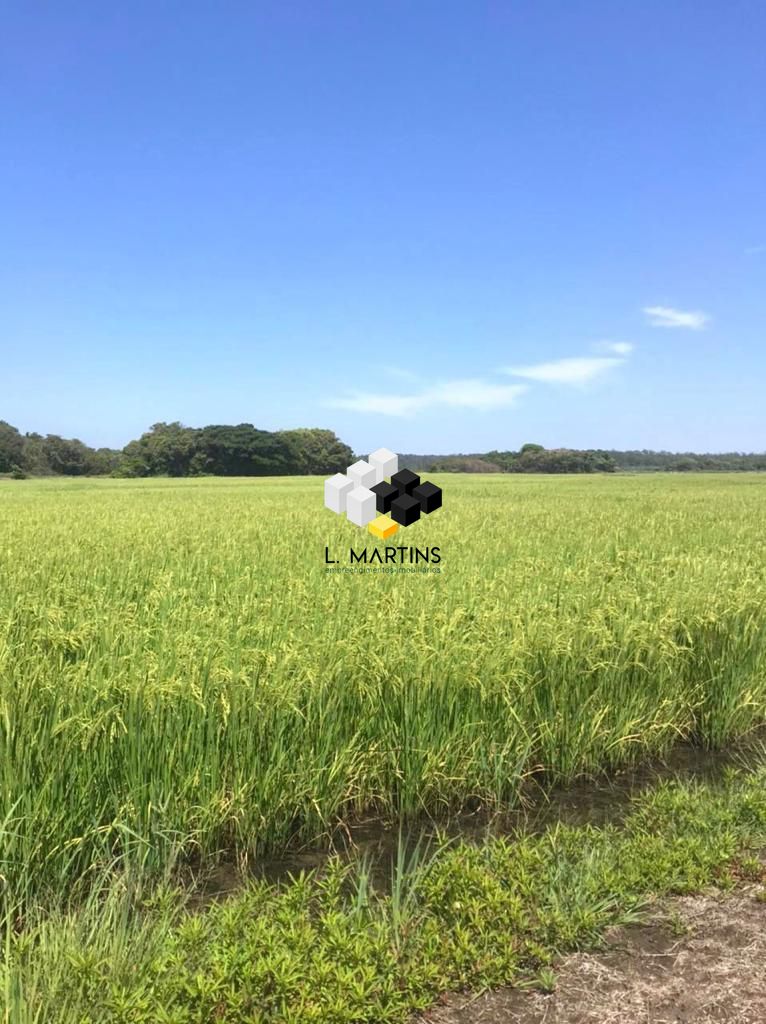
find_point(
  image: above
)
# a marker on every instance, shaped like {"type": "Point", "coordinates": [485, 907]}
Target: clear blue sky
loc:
{"type": "Point", "coordinates": [434, 226]}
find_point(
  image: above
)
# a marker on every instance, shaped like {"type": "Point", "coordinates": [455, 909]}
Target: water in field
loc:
{"type": "Point", "coordinates": [586, 801]}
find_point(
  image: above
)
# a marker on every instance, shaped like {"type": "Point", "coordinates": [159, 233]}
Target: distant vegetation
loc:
{"type": "Point", "coordinates": [172, 449]}
{"type": "Point", "coordinates": [534, 458]}
{"type": "Point", "coordinates": [531, 458]}
{"type": "Point", "coordinates": [688, 462]}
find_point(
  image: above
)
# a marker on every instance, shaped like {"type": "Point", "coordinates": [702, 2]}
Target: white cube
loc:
{"type": "Point", "coordinates": [360, 506]}
{"type": "Point", "coordinates": [363, 474]}
{"type": "Point", "coordinates": [385, 462]}
{"type": "Point", "coordinates": [336, 490]}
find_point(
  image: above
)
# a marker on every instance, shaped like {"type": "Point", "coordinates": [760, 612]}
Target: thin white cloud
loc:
{"type": "Point", "coordinates": [665, 316]}
{"type": "Point", "coordinates": [620, 348]}
{"type": "Point", "coordinates": [456, 394]}
{"type": "Point", "coordinates": [577, 370]}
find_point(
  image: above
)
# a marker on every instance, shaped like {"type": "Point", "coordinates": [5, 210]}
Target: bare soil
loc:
{"type": "Point", "coordinates": [699, 960]}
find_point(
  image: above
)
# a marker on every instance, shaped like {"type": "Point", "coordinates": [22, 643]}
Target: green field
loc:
{"type": "Point", "coordinates": [182, 680]}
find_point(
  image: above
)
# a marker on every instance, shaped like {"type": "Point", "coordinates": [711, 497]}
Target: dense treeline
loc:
{"type": "Point", "coordinates": [172, 449]}
{"type": "Point", "coordinates": [531, 458]}
{"type": "Point", "coordinates": [38, 455]}
{"type": "Point", "coordinates": [534, 458]}
{"type": "Point", "coordinates": [686, 462]}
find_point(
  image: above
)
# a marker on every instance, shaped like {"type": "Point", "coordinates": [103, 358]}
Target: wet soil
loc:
{"type": "Point", "coordinates": [596, 801]}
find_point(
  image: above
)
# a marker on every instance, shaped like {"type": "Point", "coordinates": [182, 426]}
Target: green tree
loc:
{"type": "Point", "coordinates": [11, 447]}
{"type": "Point", "coordinates": [166, 449]}
{"type": "Point", "coordinates": [103, 461]}
{"type": "Point", "coordinates": [241, 450]}
{"type": "Point", "coordinates": [316, 451]}
{"type": "Point", "coordinates": [64, 456]}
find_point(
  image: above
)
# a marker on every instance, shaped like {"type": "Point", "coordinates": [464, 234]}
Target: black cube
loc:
{"type": "Point", "coordinates": [429, 496]}
{"type": "Point", "coordinates": [405, 480]}
{"type": "Point", "coordinates": [405, 510]}
{"type": "Point", "coordinates": [384, 495]}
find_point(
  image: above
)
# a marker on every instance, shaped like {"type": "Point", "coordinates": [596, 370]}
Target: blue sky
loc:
{"type": "Point", "coordinates": [433, 226]}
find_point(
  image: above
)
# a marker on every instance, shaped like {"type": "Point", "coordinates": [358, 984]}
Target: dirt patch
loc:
{"type": "Point", "coordinates": [701, 960]}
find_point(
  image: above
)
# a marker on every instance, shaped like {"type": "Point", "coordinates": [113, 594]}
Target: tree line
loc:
{"type": "Point", "coordinates": [530, 458]}
{"type": "Point", "coordinates": [688, 462]}
{"type": "Point", "coordinates": [534, 458]}
{"type": "Point", "coordinates": [172, 449]}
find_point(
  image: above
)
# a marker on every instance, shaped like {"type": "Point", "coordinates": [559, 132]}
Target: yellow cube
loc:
{"type": "Point", "coordinates": [383, 527]}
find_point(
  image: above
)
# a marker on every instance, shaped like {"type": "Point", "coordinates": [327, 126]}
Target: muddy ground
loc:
{"type": "Point", "coordinates": [698, 960]}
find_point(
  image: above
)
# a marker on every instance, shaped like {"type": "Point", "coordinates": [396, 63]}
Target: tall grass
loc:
{"type": "Point", "coordinates": [331, 947]}
{"type": "Point", "coordinates": [179, 677]}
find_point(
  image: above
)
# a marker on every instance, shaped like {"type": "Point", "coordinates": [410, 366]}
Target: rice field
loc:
{"type": "Point", "coordinates": [182, 680]}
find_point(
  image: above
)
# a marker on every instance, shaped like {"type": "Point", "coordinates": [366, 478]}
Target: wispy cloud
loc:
{"type": "Point", "coordinates": [472, 394]}
{"type": "Point", "coordinates": [577, 370]}
{"type": "Point", "coordinates": [478, 394]}
{"type": "Point", "coordinates": [755, 250]}
{"type": "Point", "coordinates": [665, 316]}
{"type": "Point", "coordinates": [620, 348]}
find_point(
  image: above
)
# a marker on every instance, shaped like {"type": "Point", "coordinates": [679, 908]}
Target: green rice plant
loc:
{"type": "Point", "coordinates": [181, 681]}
